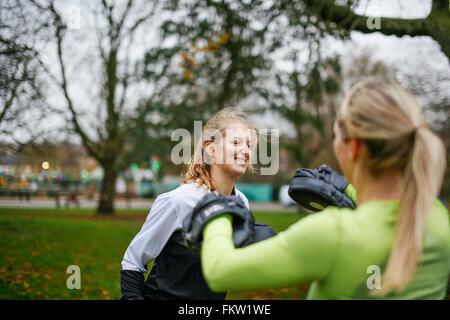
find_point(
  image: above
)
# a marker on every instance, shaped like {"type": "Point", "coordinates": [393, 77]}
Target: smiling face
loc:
{"type": "Point", "coordinates": [232, 149]}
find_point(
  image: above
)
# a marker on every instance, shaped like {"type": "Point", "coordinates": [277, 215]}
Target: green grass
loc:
{"type": "Point", "coordinates": [37, 246]}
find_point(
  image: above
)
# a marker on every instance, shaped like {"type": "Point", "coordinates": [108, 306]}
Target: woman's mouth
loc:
{"type": "Point", "coordinates": [241, 160]}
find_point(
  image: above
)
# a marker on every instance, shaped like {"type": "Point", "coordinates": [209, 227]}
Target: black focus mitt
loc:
{"type": "Point", "coordinates": [316, 189]}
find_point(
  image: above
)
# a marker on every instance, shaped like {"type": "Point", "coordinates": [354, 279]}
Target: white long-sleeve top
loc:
{"type": "Point", "coordinates": [166, 216]}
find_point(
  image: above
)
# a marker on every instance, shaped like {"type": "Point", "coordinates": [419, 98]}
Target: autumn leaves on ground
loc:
{"type": "Point", "coordinates": [37, 246]}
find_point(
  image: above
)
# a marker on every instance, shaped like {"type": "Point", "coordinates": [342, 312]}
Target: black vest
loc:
{"type": "Point", "coordinates": [176, 274]}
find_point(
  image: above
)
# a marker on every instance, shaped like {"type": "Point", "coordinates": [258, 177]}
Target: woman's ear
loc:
{"type": "Point", "coordinates": [356, 146]}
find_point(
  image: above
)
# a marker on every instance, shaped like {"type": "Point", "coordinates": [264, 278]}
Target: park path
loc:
{"type": "Point", "coordinates": [121, 204]}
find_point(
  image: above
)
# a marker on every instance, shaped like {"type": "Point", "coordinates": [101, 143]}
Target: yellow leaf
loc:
{"type": "Point", "coordinates": [187, 75]}
{"type": "Point", "coordinates": [211, 46]}
{"type": "Point", "coordinates": [224, 38]}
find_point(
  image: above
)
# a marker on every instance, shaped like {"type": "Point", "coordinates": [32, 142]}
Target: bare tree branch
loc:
{"type": "Point", "coordinates": [435, 25]}
{"type": "Point", "coordinates": [59, 31]}
{"type": "Point", "coordinates": [143, 18]}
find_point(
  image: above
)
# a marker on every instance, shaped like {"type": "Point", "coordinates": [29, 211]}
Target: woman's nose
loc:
{"type": "Point", "coordinates": [245, 151]}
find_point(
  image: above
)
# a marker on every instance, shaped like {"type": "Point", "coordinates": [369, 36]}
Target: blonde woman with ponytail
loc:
{"type": "Point", "coordinates": [221, 157]}
{"type": "Point", "coordinates": [394, 245]}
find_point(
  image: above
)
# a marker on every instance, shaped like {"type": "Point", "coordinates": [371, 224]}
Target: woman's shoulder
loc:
{"type": "Point", "coordinates": [183, 198]}
{"type": "Point", "coordinates": [183, 192]}
{"type": "Point", "coordinates": [186, 196]}
{"type": "Point", "coordinates": [189, 189]}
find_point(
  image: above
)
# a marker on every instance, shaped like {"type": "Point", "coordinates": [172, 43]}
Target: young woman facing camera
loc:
{"type": "Point", "coordinates": [222, 156]}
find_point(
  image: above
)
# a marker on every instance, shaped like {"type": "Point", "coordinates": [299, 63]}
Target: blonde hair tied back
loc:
{"type": "Point", "coordinates": [390, 121]}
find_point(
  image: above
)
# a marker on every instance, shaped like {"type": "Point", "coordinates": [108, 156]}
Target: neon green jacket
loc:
{"type": "Point", "coordinates": [338, 250]}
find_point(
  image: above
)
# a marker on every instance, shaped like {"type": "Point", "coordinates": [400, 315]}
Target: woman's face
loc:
{"type": "Point", "coordinates": [233, 149]}
{"type": "Point", "coordinates": [342, 150]}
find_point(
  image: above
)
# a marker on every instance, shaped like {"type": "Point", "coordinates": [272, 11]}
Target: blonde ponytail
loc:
{"type": "Point", "coordinates": [423, 179]}
{"type": "Point", "coordinates": [390, 121]}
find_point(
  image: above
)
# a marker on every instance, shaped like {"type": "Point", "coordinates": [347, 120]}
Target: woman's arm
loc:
{"type": "Point", "coordinates": [303, 253]}
{"type": "Point", "coordinates": [132, 285]}
{"type": "Point", "coordinates": [146, 245]}
{"type": "Point", "coordinates": [161, 222]}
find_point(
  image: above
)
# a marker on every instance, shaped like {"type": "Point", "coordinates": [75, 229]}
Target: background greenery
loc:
{"type": "Point", "coordinates": [37, 246]}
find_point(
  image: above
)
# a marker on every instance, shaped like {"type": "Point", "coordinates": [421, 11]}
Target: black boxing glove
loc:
{"type": "Point", "coordinates": [211, 206]}
{"type": "Point", "coordinates": [262, 231]}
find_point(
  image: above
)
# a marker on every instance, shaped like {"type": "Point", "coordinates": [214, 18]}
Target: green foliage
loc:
{"type": "Point", "coordinates": [214, 54]}
{"type": "Point", "coordinates": [307, 111]}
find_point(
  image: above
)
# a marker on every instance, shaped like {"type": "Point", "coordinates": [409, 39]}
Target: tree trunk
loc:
{"type": "Point", "coordinates": [108, 189]}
